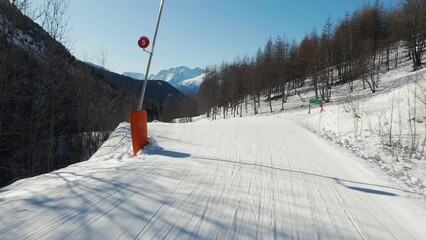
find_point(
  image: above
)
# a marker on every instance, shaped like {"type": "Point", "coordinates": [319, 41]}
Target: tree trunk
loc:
{"type": "Point", "coordinates": [282, 96]}
{"type": "Point", "coordinates": [241, 108]}
{"type": "Point", "coordinates": [254, 104]}
{"type": "Point", "coordinates": [396, 54]}
{"type": "Point", "coordinates": [387, 57]}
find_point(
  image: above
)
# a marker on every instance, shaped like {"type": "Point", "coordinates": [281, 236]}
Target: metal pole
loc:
{"type": "Point", "coordinates": [150, 57]}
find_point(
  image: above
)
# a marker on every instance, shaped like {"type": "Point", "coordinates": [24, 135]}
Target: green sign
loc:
{"type": "Point", "coordinates": [315, 101]}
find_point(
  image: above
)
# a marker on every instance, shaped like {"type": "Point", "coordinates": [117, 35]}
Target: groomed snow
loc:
{"type": "Point", "coordinates": [250, 178]}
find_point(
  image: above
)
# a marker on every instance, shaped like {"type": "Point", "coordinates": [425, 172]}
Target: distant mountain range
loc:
{"type": "Point", "coordinates": [183, 78]}
{"type": "Point", "coordinates": [157, 90]}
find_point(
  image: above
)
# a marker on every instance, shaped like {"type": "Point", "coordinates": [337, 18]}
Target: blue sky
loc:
{"type": "Point", "coordinates": [193, 33]}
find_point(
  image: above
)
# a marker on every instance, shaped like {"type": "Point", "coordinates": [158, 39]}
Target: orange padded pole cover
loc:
{"type": "Point", "coordinates": [139, 130]}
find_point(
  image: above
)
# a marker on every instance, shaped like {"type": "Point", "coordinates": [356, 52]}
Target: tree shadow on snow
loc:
{"type": "Point", "coordinates": [338, 180]}
{"type": "Point", "coordinates": [366, 190]}
{"type": "Point", "coordinates": [172, 154]}
{"type": "Point", "coordinates": [86, 202]}
{"type": "Point", "coordinates": [157, 150]}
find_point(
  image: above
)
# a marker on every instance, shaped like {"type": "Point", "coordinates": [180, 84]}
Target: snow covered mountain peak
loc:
{"type": "Point", "coordinates": [176, 75]}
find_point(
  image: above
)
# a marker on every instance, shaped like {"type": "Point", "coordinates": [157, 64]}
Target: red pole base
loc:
{"type": "Point", "coordinates": [138, 130]}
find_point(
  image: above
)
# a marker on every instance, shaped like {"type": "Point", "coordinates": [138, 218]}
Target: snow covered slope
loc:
{"type": "Point", "coordinates": [193, 82]}
{"type": "Point", "coordinates": [380, 128]}
{"type": "Point", "coordinates": [251, 178]}
{"type": "Point", "coordinates": [192, 85]}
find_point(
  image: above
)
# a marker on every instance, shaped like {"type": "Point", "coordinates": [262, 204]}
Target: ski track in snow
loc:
{"type": "Point", "coordinates": [250, 178]}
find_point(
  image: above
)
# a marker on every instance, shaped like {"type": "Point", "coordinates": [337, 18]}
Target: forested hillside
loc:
{"type": "Point", "coordinates": [363, 45]}
{"type": "Point", "coordinates": [54, 110]}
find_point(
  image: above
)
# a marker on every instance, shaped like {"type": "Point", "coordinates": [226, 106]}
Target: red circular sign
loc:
{"type": "Point", "coordinates": [143, 42]}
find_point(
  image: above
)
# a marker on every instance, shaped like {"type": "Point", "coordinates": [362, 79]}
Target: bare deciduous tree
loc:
{"type": "Point", "coordinates": [414, 22]}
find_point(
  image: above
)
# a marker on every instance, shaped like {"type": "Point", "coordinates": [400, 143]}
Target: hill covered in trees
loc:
{"type": "Point", "coordinates": [54, 109]}
{"type": "Point", "coordinates": [360, 46]}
